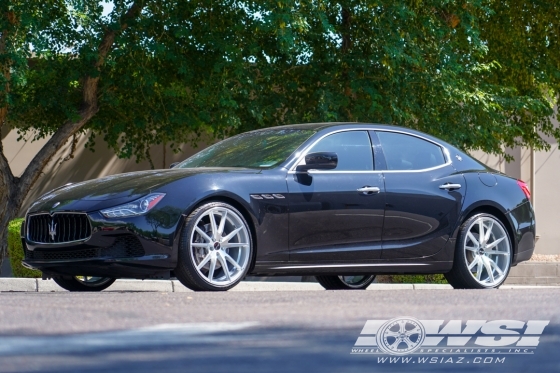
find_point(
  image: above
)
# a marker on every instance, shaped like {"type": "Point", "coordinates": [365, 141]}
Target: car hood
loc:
{"type": "Point", "coordinates": [113, 190]}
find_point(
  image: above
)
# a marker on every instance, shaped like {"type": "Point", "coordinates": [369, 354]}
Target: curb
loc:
{"type": "Point", "coordinates": [534, 273]}
{"type": "Point", "coordinates": [174, 286]}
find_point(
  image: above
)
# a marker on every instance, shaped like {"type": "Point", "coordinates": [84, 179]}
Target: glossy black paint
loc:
{"type": "Point", "coordinates": [419, 216]}
{"type": "Point", "coordinates": [319, 161]}
{"type": "Point", "coordinates": [323, 224]}
{"type": "Point", "coordinates": [331, 221]}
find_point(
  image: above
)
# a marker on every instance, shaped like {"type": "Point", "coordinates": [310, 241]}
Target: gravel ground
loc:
{"type": "Point", "coordinates": [545, 258]}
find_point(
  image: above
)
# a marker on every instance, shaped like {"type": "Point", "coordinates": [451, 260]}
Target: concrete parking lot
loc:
{"type": "Point", "coordinates": [257, 328]}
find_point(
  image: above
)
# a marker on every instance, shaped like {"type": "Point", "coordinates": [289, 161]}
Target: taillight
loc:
{"type": "Point", "coordinates": [524, 188]}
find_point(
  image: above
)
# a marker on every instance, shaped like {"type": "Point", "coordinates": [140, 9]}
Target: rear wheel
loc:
{"type": "Point", "coordinates": [483, 254]}
{"type": "Point", "coordinates": [216, 248]}
{"type": "Point", "coordinates": [345, 282]}
{"type": "Point", "coordinates": [84, 283]}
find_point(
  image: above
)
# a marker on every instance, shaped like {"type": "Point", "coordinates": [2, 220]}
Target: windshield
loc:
{"type": "Point", "coordinates": [259, 149]}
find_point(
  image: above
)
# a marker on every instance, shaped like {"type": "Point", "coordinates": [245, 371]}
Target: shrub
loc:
{"type": "Point", "coordinates": [412, 279]}
{"type": "Point", "coordinates": [15, 251]}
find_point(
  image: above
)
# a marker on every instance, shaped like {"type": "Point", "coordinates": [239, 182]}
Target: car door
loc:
{"type": "Point", "coordinates": [337, 215]}
{"type": "Point", "coordinates": [424, 195]}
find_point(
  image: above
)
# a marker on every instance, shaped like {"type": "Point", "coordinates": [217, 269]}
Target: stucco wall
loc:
{"type": "Point", "coordinates": [85, 165]}
{"type": "Point", "coordinates": [545, 196]}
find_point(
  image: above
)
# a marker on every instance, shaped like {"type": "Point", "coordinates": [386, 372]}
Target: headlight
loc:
{"type": "Point", "coordinates": [138, 207]}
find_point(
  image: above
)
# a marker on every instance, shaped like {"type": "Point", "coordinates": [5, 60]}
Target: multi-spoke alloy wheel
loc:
{"type": "Point", "coordinates": [355, 282]}
{"type": "Point", "coordinates": [216, 248]}
{"type": "Point", "coordinates": [483, 255]}
{"type": "Point", "coordinates": [84, 283]}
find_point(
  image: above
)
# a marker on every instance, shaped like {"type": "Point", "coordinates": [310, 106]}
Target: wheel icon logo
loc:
{"type": "Point", "coordinates": [401, 336]}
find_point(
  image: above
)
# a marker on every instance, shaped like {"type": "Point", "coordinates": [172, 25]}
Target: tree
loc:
{"type": "Point", "coordinates": [150, 71]}
{"type": "Point", "coordinates": [482, 74]}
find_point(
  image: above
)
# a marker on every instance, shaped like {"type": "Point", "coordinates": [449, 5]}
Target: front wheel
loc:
{"type": "Point", "coordinates": [345, 282]}
{"type": "Point", "coordinates": [483, 254]}
{"type": "Point", "coordinates": [84, 283]}
{"type": "Point", "coordinates": [216, 248]}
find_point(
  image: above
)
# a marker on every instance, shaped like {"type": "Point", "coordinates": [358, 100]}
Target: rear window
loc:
{"type": "Point", "coordinates": [405, 152]}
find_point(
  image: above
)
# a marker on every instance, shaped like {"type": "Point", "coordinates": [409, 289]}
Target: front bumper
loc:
{"type": "Point", "coordinates": [117, 249]}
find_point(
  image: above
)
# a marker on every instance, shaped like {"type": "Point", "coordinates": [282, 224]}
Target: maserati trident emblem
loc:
{"type": "Point", "coordinates": [52, 229]}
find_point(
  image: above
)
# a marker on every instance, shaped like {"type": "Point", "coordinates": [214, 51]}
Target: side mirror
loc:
{"type": "Point", "coordinates": [319, 161]}
{"type": "Point", "coordinates": [173, 164]}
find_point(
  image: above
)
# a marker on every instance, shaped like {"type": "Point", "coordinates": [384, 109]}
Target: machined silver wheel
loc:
{"type": "Point", "coordinates": [349, 282]}
{"type": "Point", "coordinates": [357, 282]}
{"type": "Point", "coordinates": [220, 246]}
{"type": "Point", "coordinates": [487, 251]}
{"type": "Point", "coordinates": [93, 281]}
{"type": "Point", "coordinates": [84, 283]}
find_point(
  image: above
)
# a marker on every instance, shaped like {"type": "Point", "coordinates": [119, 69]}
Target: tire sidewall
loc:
{"type": "Point", "coordinates": [362, 286]}
{"type": "Point", "coordinates": [333, 282]}
{"type": "Point", "coordinates": [71, 283]}
{"type": "Point", "coordinates": [460, 255]}
{"type": "Point", "coordinates": [185, 250]}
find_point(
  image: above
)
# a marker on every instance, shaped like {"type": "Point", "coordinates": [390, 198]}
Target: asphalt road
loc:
{"type": "Point", "coordinates": [280, 331]}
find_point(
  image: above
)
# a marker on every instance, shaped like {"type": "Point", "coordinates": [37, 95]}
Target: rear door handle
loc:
{"type": "Point", "coordinates": [450, 186]}
{"type": "Point", "coordinates": [369, 190]}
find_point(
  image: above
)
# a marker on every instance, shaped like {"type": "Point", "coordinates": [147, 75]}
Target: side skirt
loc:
{"type": "Point", "coordinates": [330, 268]}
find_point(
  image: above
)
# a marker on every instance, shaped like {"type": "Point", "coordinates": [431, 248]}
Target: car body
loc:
{"type": "Point", "coordinates": [326, 199]}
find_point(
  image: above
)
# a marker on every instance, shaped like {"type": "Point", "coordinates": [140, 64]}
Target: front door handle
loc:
{"type": "Point", "coordinates": [367, 190]}
{"type": "Point", "coordinates": [450, 186]}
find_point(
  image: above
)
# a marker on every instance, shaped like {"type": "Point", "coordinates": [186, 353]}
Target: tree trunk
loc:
{"type": "Point", "coordinates": [13, 190]}
{"type": "Point", "coordinates": [7, 209]}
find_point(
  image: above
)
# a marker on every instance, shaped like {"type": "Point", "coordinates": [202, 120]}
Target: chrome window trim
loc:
{"type": "Point", "coordinates": [292, 168]}
{"type": "Point", "coordinates": [56, 243]}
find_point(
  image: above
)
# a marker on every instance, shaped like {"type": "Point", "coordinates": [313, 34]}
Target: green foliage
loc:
{"type": "Point", "coordinates": [481, 74]}
{"type": "Point", "coordinates": [412, 279]}
{"type": "Point", "coordinates": [15, 251]}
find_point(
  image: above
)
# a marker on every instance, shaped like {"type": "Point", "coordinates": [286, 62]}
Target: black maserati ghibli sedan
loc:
{"type": "Point", "coordinates": [339, 201]}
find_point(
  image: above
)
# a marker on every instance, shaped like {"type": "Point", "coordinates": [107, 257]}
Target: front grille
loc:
{"type": "Point", "coordinates": [123, 247]}
{"type": "Point", "coordinates": [58, 228]}
{"type": "Point", "coordinates": [61, 255]}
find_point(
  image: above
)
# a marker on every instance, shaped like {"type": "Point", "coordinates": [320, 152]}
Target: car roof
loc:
{"type": "Point", "coordinates": [325, 125]}
{"type": "Point", "coordinates": [371, 126]}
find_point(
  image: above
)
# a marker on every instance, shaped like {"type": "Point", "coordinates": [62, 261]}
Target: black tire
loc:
{"type": "Point", "coordinates": [196, 279]}
{"type": "Point", "coordinates": [72, 283]}
{"type": "Point", "coordinates": [340, 283]}
{"type": "Point", "coordinates": [460, 276]}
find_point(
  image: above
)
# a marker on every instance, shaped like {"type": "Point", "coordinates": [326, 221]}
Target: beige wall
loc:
{"type": "Point", "coordinates": [545, 194]}
{"type": "Point", "coordinates": [87, 165]}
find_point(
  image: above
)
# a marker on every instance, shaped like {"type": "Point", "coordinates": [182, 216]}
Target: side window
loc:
{"type": "Point", "coordinates": [404, 152]}
{"type": "Point", "coordinates": [352, 147]}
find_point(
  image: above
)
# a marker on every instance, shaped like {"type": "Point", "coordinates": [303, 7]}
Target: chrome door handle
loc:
{"type": "Point", "coordinates": [368, 190]}
{"type": "Point", "coordinates": [449, 186]}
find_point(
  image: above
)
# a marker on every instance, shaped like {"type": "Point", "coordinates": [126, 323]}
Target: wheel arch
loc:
{"type": "Point", "coordinates": [239, 206]}
{"type": "Point", "coordinates": [499, 214]}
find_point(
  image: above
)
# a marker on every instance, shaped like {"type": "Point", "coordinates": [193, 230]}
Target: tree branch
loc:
{"type": "Point", "coordinates": [7, 176]}
{"type": "Point", "coordinates": [5, 71]}
{"type": "Point", "coordinates": [89, 107]}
